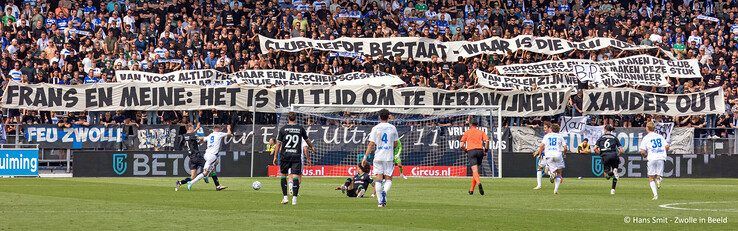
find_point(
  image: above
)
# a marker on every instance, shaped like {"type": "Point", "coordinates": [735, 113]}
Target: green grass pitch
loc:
{"type": "Point", "coordinates": [414, 204]}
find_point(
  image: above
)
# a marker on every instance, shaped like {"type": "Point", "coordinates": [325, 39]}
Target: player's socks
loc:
{"type": "Point", "coordinates": [615, 173]}
{"type": "Point", "coordinates": [197, 178]}
{"type": "Point", "coordinates": [378, 187]}
{"type": "Point", "coordinates": [473, 184]}
{"type": "Point", "coordinates": [215, 180]}
{"type": "Point", "coordinates": [185, 180]}
{"type": "Point", "coordinates": [557, 182]}
{"type": "Point", "coordinates": [481, 189]}
{"type": "Point", "coordinates": [654, 189]}
{"type": "Point", "coordinates": [539, 178]}
{"type": "Point", "coordinates": [283, 183]}
{"type": "Point", "coordinates": [387, 185]}
{"type": "Point", "coordinates": [295, 187]}
{"type": "Point", "coordinates": [614, 183]}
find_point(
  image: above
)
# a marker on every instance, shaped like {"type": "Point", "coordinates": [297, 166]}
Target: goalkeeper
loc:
{"type": "Point", "coordinates": [397, 159]}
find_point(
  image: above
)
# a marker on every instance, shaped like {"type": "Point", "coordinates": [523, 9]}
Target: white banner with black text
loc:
{"type": "Point", "coordinates": [639, 70]}
{"type": "Point", "coordinates": [210, 77]}
{"type": "Point", "coordinates": [627, 101]}
{"type": "Point", "coordinates": [426, 49]}
{"type": "Point", "coordinates": [527, 83]}
{"type": "Point", "coordinates": [176, 96]}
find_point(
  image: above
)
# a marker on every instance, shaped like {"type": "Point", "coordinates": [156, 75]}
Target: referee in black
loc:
{"type": "Point", "coordinates": [610, 149]}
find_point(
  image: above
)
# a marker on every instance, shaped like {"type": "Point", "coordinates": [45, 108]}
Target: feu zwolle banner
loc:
{"type": "Point", "coordinates": [626, 101]}
{"type": "Point", "coordinates": [210, 77]}
{"type": "Point", "coordinates": [556, 81]}
{"type": "Point", "coordinates": [639, 70]}
{"type": "Point", "coordinates": [426, 49]}
{"type": "Point", "coordinates": [174, 96]}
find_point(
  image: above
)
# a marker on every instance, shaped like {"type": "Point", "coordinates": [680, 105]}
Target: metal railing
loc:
{"type": "Point", "coordinates": [711, 141]}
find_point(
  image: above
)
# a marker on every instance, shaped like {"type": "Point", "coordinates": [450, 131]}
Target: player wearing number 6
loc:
{"type": "Point", "coordinates": [382, 141]}
{"type": "Point", "coordinates": [289, 145]}
{"type": "Point", "coordinates": [653, 148]}
{"type": "Point", "coordinates": [609, 148]}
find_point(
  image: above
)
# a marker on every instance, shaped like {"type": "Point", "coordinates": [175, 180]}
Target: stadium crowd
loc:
{"type": "Point", "coordinates": [84, 42]}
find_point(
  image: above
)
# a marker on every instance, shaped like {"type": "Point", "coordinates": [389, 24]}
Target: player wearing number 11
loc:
{"type": "Point", "coordinates": [382, 141]}
{"type": "Point", "coordinates": [289, 145]}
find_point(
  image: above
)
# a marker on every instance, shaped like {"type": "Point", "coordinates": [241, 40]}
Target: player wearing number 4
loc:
{"type": "Point", "coordinates": [654, 148]}
{"type": "Point", "coordinates": [382, 141]}
{"type": "Point", "coordinates": [553, 147]}
{"type": "Point", "coordinates": [289, 146]}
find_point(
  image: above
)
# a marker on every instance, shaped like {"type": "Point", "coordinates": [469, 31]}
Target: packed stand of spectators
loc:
{"type": "Point", "coordinates": [84, 42]}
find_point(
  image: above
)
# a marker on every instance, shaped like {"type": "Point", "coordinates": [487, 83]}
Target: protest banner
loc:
{"type": "Point", "coordinates": [174, 96]}
{"type": "Point", "coordinates": [627, 101]}
{"type": "Point", "coordinates": [639, 70]}
{"type": "Point", "coordinates": [572, 124]}
{"type": "Point", "coordinates": [493, 81]}
{"type": "Point", "coordinates": [210, 77]}
{"type": "Point", "coordinates": [426, 49]}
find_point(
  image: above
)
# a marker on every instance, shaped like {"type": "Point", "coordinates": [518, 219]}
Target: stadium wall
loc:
{"type": "Point", "coordinates": [161, 164]}
{"type": "Point", "coordinates": [631, 165]}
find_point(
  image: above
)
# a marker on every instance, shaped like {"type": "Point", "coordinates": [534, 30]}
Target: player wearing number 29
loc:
{"type": "Point", "coordinates": [653, 148]}
{"type": "Point", "coordinates": [289, 145]}
{"type": "Point", "coordinates": [553, 148]}
{"type": "Point", "coordinates": [382, 140]}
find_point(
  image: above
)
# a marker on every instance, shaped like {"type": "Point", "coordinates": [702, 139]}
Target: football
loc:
{"type": "Point", "coordinates": [256, 185]}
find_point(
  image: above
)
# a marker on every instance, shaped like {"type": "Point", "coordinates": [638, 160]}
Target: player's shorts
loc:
{"type": "Point", "coordinates": [610, 162]}
{"type": "Point", "coordinates": [475, 157]}
{"type": "Point", "coordinates": [541, 162]}
{"type": "Point", "coordinates": [383, 168]}
{"type": "Point", "coordinates": [655, 167]}
{"type": "Point", "coordinates": [555, 163]}
{"type": "Point", "coordinates": [196, 163]}
{"type": "Point", "coordinates": [290, 167]}
{"type": "Point", "coordinates": [352, 193]}
{"type": "Point", "coordinates": [210, 162]}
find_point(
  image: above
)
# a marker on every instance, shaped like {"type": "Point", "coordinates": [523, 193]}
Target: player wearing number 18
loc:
{"type": "Point", "coordinates": [382, 141]}
{"type": "Point", "coordinates": [289, 145]}
{"type": "Point", "coordinates": [653, 148]}
{"type": "Point", "coordinates": [553, 147]}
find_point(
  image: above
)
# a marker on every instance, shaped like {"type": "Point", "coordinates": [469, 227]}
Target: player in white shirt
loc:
{"type": "Point", "coordinates": [211, 154]}
{"type": "Point", "coordinates": [541, 158]}
{"type": "Point", "coordinates": [653, 147]}
{"type": "Point", "coordinates": [553, 148]}
{"type": "Point", "coordinates": [382, 141]}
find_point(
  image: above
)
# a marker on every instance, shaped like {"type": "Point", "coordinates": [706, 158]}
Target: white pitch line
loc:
{"type": "Point", "coordinates": [674, 206]}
